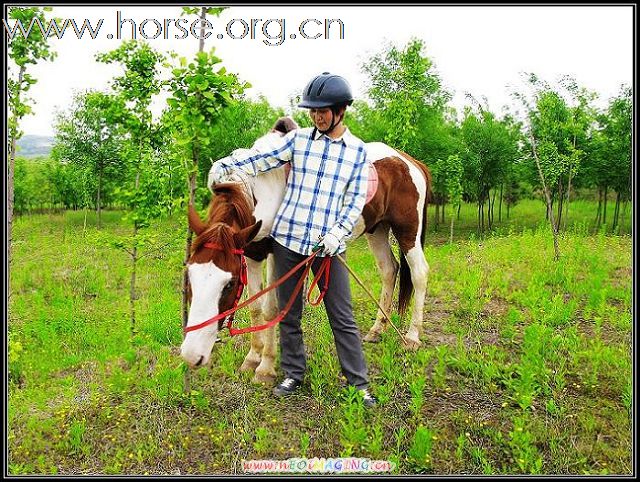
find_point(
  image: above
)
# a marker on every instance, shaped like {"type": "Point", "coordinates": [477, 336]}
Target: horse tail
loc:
{"type": "Point", "coordinates": [406, 285]}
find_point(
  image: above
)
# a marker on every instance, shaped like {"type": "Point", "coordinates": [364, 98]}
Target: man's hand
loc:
{"type": "Point", "coordinates": [331, 244]}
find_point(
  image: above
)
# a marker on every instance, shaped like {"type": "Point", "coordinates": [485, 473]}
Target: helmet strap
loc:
{"type": "Point", "coordinates": [333, 120]}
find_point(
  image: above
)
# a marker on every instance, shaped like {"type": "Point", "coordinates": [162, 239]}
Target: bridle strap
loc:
{"type": "Point", "coordinates": [324, 269]}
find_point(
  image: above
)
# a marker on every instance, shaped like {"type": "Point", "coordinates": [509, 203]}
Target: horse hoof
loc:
{"type": "Point", "coordinates": [249, 365]}
{"type": "Point", "coordinates": [411, 344]}
{"type": "Point", "coordinates": [372, 337]}
{"type": "Point", "coordinates": [265, 378]}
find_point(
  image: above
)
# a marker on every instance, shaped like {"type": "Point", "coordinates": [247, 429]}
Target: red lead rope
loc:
{"type": "Point", "coordinates": [324, 270]}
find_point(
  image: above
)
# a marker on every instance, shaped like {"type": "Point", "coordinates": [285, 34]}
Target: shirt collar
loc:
{"type": "Point", "coordinates": [347, 137]}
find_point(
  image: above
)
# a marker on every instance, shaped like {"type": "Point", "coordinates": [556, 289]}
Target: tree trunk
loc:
{"type": "Point", "coordinates": [500, 205]}
{"type": "Point", "coordinates": [451, 232]}
{"type": "Point", "coordinates": [187, 253]}
{"type": "Point", "coordinates": [493, 206]}
{"type": "Point", "coordinates": [548, 198]}
{"type": "Point", "coordinates": [192, 189]}
{"type": "Point", "coordinates": [203, 18]}
{"type": "Point", "coordinates": [560, 204]}
{"type": "Point", "coordinates": [624, 216]}
{"type": "Point", "coordinates": [437, 219]}
{"type": "Point", "coordinates": [99, 201]}
{"type": "Point", "coordinates": [616, 213]}
{"type": "Point", "coordinates": [459, 206]}
{"type": "Point", "coordinates": [134, 261]}
{"type": "Point", "coordinates": [132, 290]}
{"type": "Point", "coordinates": [566, 210]}
{"type": "Point", "coordinates": [12, 158]}
{"type": "Point", "coordinates": [10, 193]}
{"type": "Point", "coordinates": [599, 213]}
{"type": "Point", "coordinates": [604, 210]}
{"type": "Point", "coordinates": [489, 210]}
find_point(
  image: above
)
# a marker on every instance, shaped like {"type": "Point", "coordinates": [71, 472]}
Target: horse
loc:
{"type": "Point", "coordinates": [241, 214]}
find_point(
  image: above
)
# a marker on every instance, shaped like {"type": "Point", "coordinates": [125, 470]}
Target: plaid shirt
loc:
{"type": "Point", "coordinates": [326, 189]}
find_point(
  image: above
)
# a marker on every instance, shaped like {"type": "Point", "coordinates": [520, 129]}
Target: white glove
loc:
{"type": "Point", "coordinates": [331, 244]}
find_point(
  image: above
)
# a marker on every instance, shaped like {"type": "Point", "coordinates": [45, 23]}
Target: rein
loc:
{"type": "Point", "coordinates": [220, 318]}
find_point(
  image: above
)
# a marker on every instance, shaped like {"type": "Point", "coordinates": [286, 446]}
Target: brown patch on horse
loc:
{"type": "Point", "coordinates": [394, 202]}
{"type": "Point", "coordinates": [284, 125]}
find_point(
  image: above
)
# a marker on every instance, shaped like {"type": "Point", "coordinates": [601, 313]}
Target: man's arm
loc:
{"type": "Point", "coordinates": [253, 162]}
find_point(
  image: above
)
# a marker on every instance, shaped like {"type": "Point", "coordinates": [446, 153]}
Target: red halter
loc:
{"type": "Point", "coordinates": [220, 318]}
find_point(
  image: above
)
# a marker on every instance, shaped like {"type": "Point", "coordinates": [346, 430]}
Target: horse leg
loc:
{"type": "Point", "coordinates": [419, 273]}
{"type": "Point", "coordinates": [254, 282]}
{"type": "Point", "coordinates": [266, 373]}
{"type": "Point", "coordinates": [388, 266]}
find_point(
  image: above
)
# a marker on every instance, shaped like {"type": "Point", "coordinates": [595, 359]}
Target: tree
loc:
{"type": "Point", "coordinates": [407, 103]}
{"type": "Point", "coordinates": [548, 127]}
{"type": "Point", "coordinates": [581, 120]}
{"type": "Point", "coordinates": [90, 136]}
{"type": "Point", "coordinates": [614, 150]}
{"type": "Point", "coordinates": [561, 131]}
{"type": "Point", "coordinates": [200, 90]}
{"type": "Point", "coordinates": [135, 90]}
{"type": "Point", "coordinates": [23, 51]}
{"type": "Point", "coordinates": [447, 175]}
{"type": "Point", "coordinates": [490, 147]}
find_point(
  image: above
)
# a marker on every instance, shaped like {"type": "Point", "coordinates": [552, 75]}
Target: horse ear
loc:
{"type": "Point", "coordinates": [246, 235]}
{"type": "Point", "coordinates": [195, 223]}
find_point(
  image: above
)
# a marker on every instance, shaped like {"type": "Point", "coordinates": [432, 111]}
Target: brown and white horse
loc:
{"type": "Point", "coordinates": [241, 215]}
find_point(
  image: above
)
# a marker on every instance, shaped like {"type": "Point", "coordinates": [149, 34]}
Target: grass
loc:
{"type": "Point", "coordinates": [525, 366]}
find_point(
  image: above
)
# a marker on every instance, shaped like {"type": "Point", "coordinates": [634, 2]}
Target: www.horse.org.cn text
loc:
{"type": "Point", "coordinates": [272, 32]}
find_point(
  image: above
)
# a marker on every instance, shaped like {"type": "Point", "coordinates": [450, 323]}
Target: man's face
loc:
{"type": "Point", "coordinates": [322, 117]}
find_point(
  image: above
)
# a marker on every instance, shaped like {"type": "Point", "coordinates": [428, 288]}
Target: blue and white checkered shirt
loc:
{"type": "Point", "coordinates": [326, 190]}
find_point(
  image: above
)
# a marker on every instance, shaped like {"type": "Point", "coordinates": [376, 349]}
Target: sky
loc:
{"type": "Point", "coordinates": [481, 50]}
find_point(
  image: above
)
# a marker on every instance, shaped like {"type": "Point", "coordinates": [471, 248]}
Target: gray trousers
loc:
{"type": "Point", "coordinates": [337, 302]}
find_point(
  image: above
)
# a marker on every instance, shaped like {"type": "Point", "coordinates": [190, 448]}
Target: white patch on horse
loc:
{"type": "Point", "coordinates": [418, 181]}
{"type": "Point", "coordinates": [378, 150]}
{"type": "Point", "coordinates": [268, 188]}
{"type": "Point", "coordinates": [207, 283]}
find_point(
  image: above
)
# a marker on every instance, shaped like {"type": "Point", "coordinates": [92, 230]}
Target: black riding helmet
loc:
{"type": "Point", "coordinates": [327, 90]}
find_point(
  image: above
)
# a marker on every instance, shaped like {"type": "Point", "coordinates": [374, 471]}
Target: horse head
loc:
{"type": "Point", "coordinates": [215, 267]}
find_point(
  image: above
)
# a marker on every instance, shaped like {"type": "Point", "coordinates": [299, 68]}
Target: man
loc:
{"type": "Point", "coordinates": [325, 196]}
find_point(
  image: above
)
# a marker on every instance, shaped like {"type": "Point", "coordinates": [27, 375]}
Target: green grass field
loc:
{"type": "Point", "coordinates": [525, 368]}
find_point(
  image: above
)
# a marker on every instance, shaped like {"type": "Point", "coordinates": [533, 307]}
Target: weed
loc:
{"type": "Point", "coordinates": [420, 451]}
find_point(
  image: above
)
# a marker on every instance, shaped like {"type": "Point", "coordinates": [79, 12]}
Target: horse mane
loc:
{"type": "Point", "coordinates": [228, 206]}
{"type": "Point", "coordinates": [218, 233]}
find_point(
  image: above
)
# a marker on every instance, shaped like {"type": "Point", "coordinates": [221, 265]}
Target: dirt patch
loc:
{"type": "Point", "coordinates": [496, 307]}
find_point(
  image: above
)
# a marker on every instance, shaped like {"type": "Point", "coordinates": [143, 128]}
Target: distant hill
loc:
{"type": "Point", "coordinates": [33, 145]}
